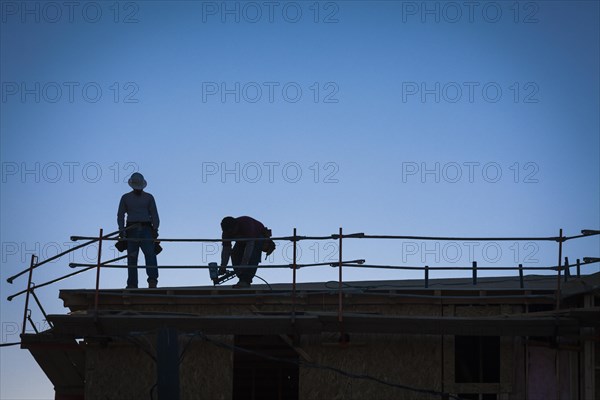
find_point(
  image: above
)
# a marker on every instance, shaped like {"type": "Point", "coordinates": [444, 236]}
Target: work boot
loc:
{"type": "Point", "coordinates": [241, 285]}
{"type": "Point", "coordinates": [152, 284]}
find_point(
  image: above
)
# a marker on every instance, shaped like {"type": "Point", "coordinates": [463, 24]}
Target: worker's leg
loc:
{"type": "Point", "coordinates": [133, 250]}
{"type": "Point", "coordinates": [255, 258]}
{"type": "Point", "coordinates": [149, 254]}
{"type": "Point", "coordinates": [237, 253]}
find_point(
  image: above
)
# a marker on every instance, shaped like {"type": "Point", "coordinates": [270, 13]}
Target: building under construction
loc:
{"type": "Point", "coordinates": [515, 337]}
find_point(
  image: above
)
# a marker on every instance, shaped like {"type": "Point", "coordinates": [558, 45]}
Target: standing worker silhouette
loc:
{"type": "Point", "coordinates": [141, 211]}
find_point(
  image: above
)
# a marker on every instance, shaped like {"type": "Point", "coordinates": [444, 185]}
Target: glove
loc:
{"type": "Point", "coordinates": [222, 271]}
{"type": "Point", "coordinates": [122, 234]}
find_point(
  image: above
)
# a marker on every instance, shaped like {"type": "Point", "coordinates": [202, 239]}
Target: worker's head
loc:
{"type": "Point", "coordinates": [228, 224]}
{"type": "Point", "coordinates": [137, 181]}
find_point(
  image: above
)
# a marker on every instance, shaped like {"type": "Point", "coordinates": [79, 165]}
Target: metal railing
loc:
{"type": "Point", "coordinates": [29, 291]}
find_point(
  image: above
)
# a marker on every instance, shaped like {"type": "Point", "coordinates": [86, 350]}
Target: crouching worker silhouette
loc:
{"type": "Point", "coordinates": [141, 211]}
{"type": "Point", "coordinates": [244, 253]}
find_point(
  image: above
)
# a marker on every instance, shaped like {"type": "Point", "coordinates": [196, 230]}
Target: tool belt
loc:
{"type": "Point", "coordinates": [268, 243]}
{"type": "Point", "coordinates": [144, 223]}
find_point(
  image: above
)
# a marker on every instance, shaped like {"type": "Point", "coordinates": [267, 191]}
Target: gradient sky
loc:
{"type": "Point", "coordinates": [388, 91]}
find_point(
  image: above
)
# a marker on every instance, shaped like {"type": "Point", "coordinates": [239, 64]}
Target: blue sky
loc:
{"type": "Point", "coordinates": [327, 118]}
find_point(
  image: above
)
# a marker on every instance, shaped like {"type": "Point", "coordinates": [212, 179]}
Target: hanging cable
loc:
{"type": "Point", "coordinates": [270, 288]}
{"type": "Point", "coordinates": [305, 364]}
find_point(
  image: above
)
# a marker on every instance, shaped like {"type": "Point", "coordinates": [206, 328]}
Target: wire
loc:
{"type": "Point", "coordinates": [185, 349]}
{"type": "Point", "coordinates": [270, 288]}
{"type": "Point", "coordinates": [132, 339]}
{"type": "Point", "coordinates": [152, 391]}
{"type": "Point", "coordinates": [305, 364]}
{"type": "Point", "coordinates": [299, 363]}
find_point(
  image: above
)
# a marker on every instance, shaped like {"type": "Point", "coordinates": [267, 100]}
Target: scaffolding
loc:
{"type": "Point", "coordinates": [561, 322]}
{"type": "Point", "coordinates": [562, 269]}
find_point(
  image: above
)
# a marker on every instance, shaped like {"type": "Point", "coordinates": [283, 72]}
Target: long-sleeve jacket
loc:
{"type": "Point", "coordinates": [246, 228]}
{"type": "Point", "coordinates": [139, 208]}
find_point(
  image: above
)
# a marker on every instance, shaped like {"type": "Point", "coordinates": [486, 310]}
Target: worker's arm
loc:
{"type": "Point", "coordinates": [225, 253]}
{"type": "Point", "coordinates": [248, 252]}
{"type": "Point", "coordinates": [121, 215]}
{"type": "Point", "coordinates": [154, 213]}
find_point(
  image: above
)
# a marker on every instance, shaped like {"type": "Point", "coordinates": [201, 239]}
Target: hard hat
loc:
{"type": "Point", "coordinates": [137, 181]}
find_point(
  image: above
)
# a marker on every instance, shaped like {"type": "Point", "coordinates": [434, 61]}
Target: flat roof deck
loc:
{"type": "Point", "coordinates": [489, 290]}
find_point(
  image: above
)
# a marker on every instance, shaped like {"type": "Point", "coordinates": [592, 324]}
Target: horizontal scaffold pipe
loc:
{"type": "Point", "coordinates": [9, 298]}
{"type": "Point", "coordinates": [549, 268]}
{"type": "Point", "coordinates": [442, 268]}
{"type": "Point", "coordinates": [360, 236]}
{"type": "Point", "coordinates": [298, 266]}
{"type": "Point", "coordinates": [193, 240]}
{"type": "Point", "coordinates": [92, 240]}
{"type": "Point", "coordinates": [353, 263]}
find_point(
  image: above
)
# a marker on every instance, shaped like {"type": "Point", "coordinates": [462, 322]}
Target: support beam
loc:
{"type": "Point", "coordinates": [589, 362]}
{"type": "Point", "coordinates": [167, 364]}
{"type": "Point", "coordinates": [315, 323]}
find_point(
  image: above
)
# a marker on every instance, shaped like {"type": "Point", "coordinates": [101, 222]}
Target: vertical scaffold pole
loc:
{"type": "Point", "coordinates": [32, 263]}
{"type": "Point", "coordinates": [98, 271]}
{"type": "Point", "coordinates": [521, 283]}
{"type": "Point", "coordinates": [340, 295]}
{"type": "Point", "coordinates": [560, 246]}
{"type": "Point", "coordinates": [294, 281]}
